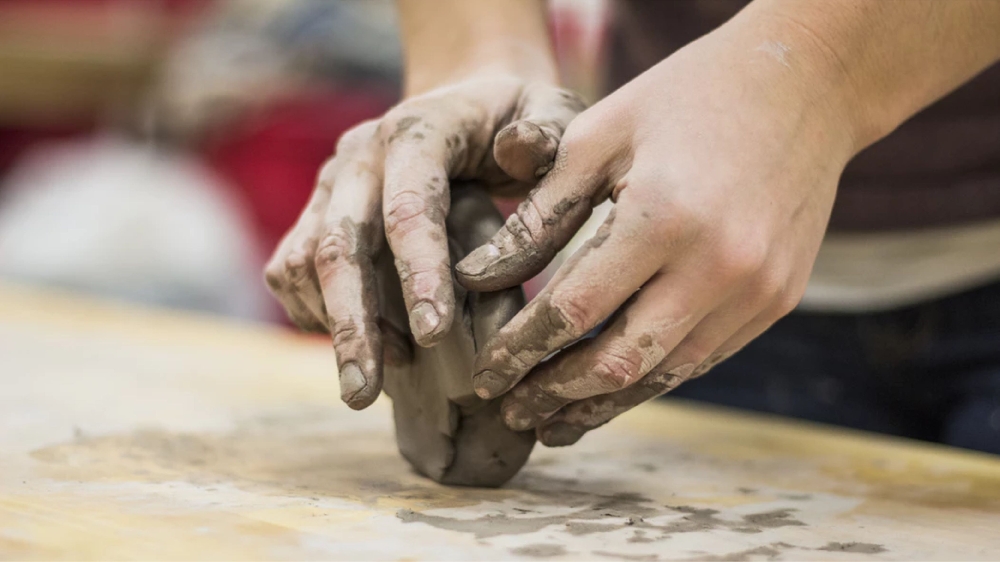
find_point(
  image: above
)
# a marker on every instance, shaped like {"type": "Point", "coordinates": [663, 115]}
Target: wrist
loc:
{"type": "Point", "coordinates": [498, 57]}
{"type": "Point", "coordinates": [447, 41]}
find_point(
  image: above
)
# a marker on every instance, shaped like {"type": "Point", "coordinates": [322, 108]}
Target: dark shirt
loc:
{"type": "Point", "coordinates": [940, 168]}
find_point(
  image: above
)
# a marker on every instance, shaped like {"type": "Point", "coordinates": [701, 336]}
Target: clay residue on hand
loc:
{"type": "Point", "coordinates": [568, 425]}
{"type": "Point", "coordinates": [525, 150]}
{"type": "Point", "coordinates": [529, 240]}
{"type": "Point", "coordinates": [402, 127]}
{"type": "Point", "coordinates": [357, 340]}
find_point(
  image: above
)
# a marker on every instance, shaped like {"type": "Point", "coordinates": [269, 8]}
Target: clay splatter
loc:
{"type": "Point", "coordinates": [635, 557]}
{"type": "Point", "coordinates": [608, 514]}
{"type": "Point", "coordinates": [855, 547]}
{"type": "Point", "coordinates": [539, 550]}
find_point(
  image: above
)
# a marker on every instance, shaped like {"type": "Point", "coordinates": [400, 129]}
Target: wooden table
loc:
{"type": "Point", "coordinates": [128, 433]}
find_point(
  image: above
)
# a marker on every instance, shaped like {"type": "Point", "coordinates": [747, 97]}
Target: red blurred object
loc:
{"type": "Point", "coordinates": [275, 158]}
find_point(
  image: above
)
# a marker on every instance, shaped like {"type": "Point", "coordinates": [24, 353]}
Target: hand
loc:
{"type": "Point", "coordinates": [722, 162]}
{"type": "Point", "coordinates": [501, 131]}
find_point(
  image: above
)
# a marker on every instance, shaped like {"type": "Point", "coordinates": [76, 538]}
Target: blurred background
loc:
{"type": "Point", "coordinates": [157, 150]}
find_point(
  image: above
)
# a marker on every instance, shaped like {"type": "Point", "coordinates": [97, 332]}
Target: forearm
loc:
{"type": "Point", "coordinates": [886, 59]}
{"type": "Point", "coordinates": [447, 40]}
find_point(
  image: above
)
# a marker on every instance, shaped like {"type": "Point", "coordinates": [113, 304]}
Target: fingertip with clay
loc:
{"type": "Point", "coordinates": [356, 390]}
{"type": "Point", "coordinates": [474, 271]}
{"type": "Point", "coordinates": [559, 434]}
{"type": "Point", "coordinates": [488, 384]}
{"type": "Point", "coordinates": [428, 325]}
{"type": "Point", "coordinates": [516, 416]}
{"type": "Point", "coordinates": [525, 150]}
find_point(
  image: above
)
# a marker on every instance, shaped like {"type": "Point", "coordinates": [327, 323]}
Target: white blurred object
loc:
{"type": "Point", "coordinates": [129, 221]}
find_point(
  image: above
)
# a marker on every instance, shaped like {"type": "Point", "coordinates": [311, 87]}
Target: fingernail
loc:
{"type": "Point", "coordinates": [488, 384]}
{"type": "Point", "coordinates": [476, 262]}
{"type": "Point", "coordinates": [424, 319]}
{"type": "Point", "coordinates": [560, 434]}
{"type": "Point", "coordinates": [352, 381]}
{"type": "Point", "coordinates": [529, 133]}
{"type": "Point", "coordinates": [517, 417]}
{"type": "Point", "coordinates": [683, 371]}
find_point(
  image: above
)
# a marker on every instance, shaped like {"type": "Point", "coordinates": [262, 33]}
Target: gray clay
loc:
{"type": "Point", "coordinates": [442, 428]}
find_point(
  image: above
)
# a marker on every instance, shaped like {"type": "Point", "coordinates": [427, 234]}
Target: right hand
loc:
{"type": "Point", "coordinates": [501, 131]}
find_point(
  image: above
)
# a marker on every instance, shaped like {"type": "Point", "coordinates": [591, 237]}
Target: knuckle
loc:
{"type": "Point", "coordinates": [538, 398]}
{"type": "Point", "coordinates": [344, 331]}
{"type": "Point", "coordinates": [530, 227]}
{"type": "Point", "coordinates": [356, 137]}
{"type": "Point", "coordinates": [570, 316]}
{"type": "Point", "coordinates": [349, 330]}
{"type": "Point", "coordinates": [694, 352]}
{"type": "Point", "coordinates": [327, 171]}
{"type": "Point", "coordinates": [787, 300]}
{"type": "Point", "coordinates": [660, 382]}
{"type": "Point", "coordinates": [421, 267]}
{"type": "Point", "coordinates": [679, 223]}
{"type": "Point", "coordinates": [398, 121]}
{"type": "Point", "coordinates": [405, 212]}
{"type": "Point", "coordinates": [767, 287]}
{"type": "Point", "coordinates": [739, 260]}
{"type": "Point", "coordinates": [337, 246]}
{"type": "Point", "coordinates": [274, 275]}
{"type": "Point", "coordinates": [574, 137]}
{"type": "Point", "coordinates": [527, 211]}
{"type": "Point", "coordinates": [616, 371]}
{"type": "Point", "coordinates": [296, 266]}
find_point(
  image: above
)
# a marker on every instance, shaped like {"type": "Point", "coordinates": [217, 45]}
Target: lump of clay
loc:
{"type": "Point", "coordinates": [442, 428]}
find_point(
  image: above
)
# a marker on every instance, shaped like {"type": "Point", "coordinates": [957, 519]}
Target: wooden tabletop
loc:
{"type": "Point", "coordinates": [129, 433]}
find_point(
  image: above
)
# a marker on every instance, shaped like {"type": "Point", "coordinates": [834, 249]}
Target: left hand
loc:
{"type": "Point", "coordinates": [723, 163]}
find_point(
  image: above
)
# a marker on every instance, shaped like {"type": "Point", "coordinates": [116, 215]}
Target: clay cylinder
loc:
{"type": "Point", "coordinates": [442, 428]}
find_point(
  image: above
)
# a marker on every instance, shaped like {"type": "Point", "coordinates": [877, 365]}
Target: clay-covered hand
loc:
{"type": "Point", "coordinates": [723, 169]}
{"type": "Point", "coordinates": [394, 173]}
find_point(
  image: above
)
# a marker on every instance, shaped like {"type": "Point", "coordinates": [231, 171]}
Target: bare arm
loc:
{"type": "Point", "coordinates": [888, 59]}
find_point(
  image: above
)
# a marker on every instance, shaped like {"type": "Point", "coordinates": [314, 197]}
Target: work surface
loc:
{"type": "Point", "coordinates": [137, 434]}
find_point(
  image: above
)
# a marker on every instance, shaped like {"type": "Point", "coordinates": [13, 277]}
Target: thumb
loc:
{"type": "Point", "coordinates": [526, 148]}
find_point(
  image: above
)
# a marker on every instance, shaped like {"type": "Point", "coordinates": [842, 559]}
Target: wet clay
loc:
{"type": "Point", "coordinates": [442, 428]}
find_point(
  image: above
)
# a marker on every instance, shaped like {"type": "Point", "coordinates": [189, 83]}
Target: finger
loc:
{"type": "Point", "coordinates": [781, 306]}
{"type": "Point", "coordinates": [344, 261]}
{"type": "Point", "coordinates": [587, 289]}
{"type": "Point", "coordinates": [636, 340]}
{"type": "Point", "coordinates": [526, 148]}
{"type": "Point", "coordinates": [546, 220]}
{"type": "Point", "coordinates": [572, 422]}
{"type": "Point", "coordinates": [569, 424]}
{"type": "Point", "coordinates": [290, 274]}
{"type": "Point", "coordinates": [415, 205]}
{"type": "Point", "coordinates": [729, 327]}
